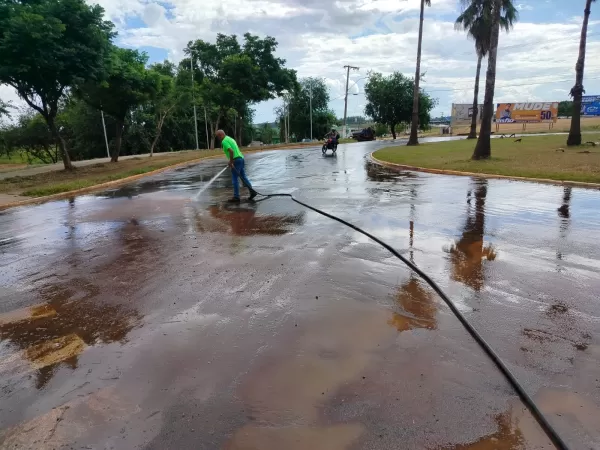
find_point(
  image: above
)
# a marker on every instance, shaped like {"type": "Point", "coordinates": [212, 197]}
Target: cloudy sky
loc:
{"type": "Point", "coordinates": [318, 37]}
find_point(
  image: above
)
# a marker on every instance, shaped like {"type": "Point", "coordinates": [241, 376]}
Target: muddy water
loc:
{"type": "Point", "coordinates": [145, 317]}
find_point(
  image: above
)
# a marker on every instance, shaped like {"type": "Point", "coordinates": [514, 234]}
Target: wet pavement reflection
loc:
{"type": "Point", "coordinates": [151, 316]}
{"type": "Point", "coordinates": [469, 254]}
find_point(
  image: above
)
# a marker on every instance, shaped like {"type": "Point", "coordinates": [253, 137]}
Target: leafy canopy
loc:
{"type": "Point", "coordinates": [390, 100]}
{"type": "Point", "coordinates": [126, 84]}
{"type": "Point", "coordinates": [47, 46]}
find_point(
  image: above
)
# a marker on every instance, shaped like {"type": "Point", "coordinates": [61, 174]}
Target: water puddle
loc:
{"type": "Point", "coordinates": [58, 331]}
{"type": "Point", "coordinates": [246, 220]}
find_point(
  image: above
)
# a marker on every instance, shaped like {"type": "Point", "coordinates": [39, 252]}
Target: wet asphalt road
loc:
{"type": "Point", "coordinates": [150, 317]}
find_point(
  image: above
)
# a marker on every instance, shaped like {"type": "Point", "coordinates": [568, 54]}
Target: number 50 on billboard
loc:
{"type": "Point", "coordinates": [526, 112]}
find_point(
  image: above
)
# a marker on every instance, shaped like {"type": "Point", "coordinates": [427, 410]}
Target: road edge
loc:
{"type": "Point", "coordinates": [391, 165]}
{"type": "Point", "coordinates": [126, 180]}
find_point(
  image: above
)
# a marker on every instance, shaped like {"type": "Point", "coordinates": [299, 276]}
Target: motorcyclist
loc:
{"type": "Point", "coordinates": [334, 136]}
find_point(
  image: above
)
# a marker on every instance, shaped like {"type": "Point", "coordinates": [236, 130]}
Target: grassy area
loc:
{"type": "Point", "coordinates": [63, 181]}
{"type": "Point", "coordinates": [18, 158]}
{"type": "Point", "coordinates": [533, 157]}
{"type": "Point", "coordinates": [590, 124]}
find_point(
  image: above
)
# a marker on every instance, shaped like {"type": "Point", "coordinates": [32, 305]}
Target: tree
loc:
{"type": "Point", "coordinates": [31, 136]}
{"type": "Point", "coordinates": [81, 127]}
{"type": "Point", "coordinates": [565, 108]}
{"type": "Point", "coordinates": [577, 91]}
{"type": "Point", "coordinates": [414, 128]}
{"type": "Point", "coordinates": [300, 103]}
{"type": "Point", "coordinates": [126, 84]}
{"type": "Point", "coordinates": [498, 9]}
{"type": "Point", "coordinates": [381, 129]}
{"type": "Point", "coordinates": [46, 46]}
{"type": "Point", "coordinates": [265, 133]}
{"type": "Point", "coordinates": [390, 102]}
{"type": "Point", "coordinates": [476, 21]}
{"type": "Point", "coordinates": [5, 108]}
{"type": "Point", "coordinates": [231, 76]}
{"type": "Point", "coordinates": [165, 98]}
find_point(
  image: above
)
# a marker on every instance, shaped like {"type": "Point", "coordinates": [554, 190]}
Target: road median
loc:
{"type": "Point", "coordinates": [532, 158]}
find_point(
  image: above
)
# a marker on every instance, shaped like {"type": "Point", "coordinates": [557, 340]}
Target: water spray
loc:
{"type": "Point", "coordinates": [209, 183]}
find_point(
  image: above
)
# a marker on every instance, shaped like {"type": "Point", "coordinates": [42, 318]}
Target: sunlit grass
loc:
{"type": "Point", "coordinates": [533, 157]}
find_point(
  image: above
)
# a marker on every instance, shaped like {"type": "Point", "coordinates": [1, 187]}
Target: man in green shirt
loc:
{"type": "Point", "coordinates": [236, 163]}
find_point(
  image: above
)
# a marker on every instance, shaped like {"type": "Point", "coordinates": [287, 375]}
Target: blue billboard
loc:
{"type": "Point", "coordinates": [590, 105]}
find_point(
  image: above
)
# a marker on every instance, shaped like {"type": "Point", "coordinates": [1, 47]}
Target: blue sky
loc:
{"type": "Point", "coordinates": [536, 59]}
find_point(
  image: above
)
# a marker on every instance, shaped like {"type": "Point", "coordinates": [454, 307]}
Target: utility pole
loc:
{"type": "Point", "coordinates": [206, 126]}
{"type": "Point", "coordinates": [346, 96]}
{"type": "Point", "coordinates": [310, 102]}
{"type": "Point", "coordinates": [194, 97]}
{"type": "Point", "coordinates": [105, 137]}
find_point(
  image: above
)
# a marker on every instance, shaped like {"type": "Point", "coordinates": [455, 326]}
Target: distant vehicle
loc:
{"type": "Point", "coordinates": [306, 140]}
{"type": "Point", "coordinates": [366, 134]}
{"type": "Point", "coordinates": [255, 144]}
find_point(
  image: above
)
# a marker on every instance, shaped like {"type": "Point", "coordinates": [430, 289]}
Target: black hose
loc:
{"type": "Point", "coordinates": [525, 398]}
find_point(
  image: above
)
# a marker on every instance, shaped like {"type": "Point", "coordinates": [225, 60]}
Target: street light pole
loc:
{"type": "Point", "coordinates": [310, 102]}
{"type": "Point", "coordinates": [206, 126]}
{"type": "Point", "coordinates": [194, 98]}
{"type": "Point", "coordinates": [346, 96]}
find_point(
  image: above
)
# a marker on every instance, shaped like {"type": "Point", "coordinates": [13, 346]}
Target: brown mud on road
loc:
{"type": "Point", "coordinates": [144, 317]}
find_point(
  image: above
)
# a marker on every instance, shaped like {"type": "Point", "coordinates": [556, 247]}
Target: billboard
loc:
{"type": "Point", "coordinates": [527, 112]}
{"type": "Point", "coordinates": [590, 105]}
{"type": "Point", "coordinates": [462, 114]}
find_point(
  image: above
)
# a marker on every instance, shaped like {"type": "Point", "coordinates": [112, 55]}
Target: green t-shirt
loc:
{"type": "Point", "coordinates": [229, 144]}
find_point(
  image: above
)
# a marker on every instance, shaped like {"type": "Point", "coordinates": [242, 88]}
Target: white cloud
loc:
{"type": "Point", "coordinates": [318, 37]}
{"type": "Point", "coordinates": [524, 7]}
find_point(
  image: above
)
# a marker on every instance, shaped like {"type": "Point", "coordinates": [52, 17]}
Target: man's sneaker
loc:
{"type": "Point", "coordinates": [253, 194]}
{"type": "Point", "coordinates": [233, 200]}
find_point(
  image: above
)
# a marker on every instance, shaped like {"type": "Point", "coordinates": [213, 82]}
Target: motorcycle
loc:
{"type": "Point", "coordinates": [329, 144]}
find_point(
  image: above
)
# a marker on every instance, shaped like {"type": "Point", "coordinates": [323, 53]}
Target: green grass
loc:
{"type": "Point", "coordinates": [18, 157]}
{"type": "Point", "coordinates": [533, 157]}
{"type": "Point", "coordinates": [87, 182]}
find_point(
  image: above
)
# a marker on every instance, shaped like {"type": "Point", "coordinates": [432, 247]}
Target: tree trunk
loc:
{"type": "Point", "coordinates": [114, 157]}
{"type": "Point", "coordinates": [241, 132]}
{"type": "Point", "coordinates": [61, 143]}
{"type": "Point", "coordinates": [154, 141]}
{"type": "Point", "coordinates": [159, 125]}
{"type": "Point", "coordinates": [414, 128]}
{"type": "Point", "coordinates": [473, 132]}
{"type": "Point", "coordinates": [483, 149]}
{"type": "Point", "coordinates": [577, 90]}
{"type": "Point", "coordinates": [393, 130]}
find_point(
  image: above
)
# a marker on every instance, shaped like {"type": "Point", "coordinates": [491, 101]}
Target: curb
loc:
{"type": "Point", "coordinates": [390, 165]}
{"type": "Point", "coordinates": [108, 184]}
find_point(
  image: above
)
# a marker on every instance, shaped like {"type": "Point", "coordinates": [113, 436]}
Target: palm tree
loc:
{"type": "Point", "coordinates": [577, 90]}
{"type": "Point", "coordinates": [476, 21]}
{"type": "Point", "coordinates": [414, 129]}
{"type": "Point", "coordinates": [483, 149]}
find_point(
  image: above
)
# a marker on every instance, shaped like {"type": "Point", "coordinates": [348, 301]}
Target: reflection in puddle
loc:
{"type": "Point", "coordinates": [468, 254]}
{"type": "Point", "coordinates": [58, 331]}
{"type": "Point", "coordinates": [508, 437]}
{"type": "Point", "coordinates": [419, 306]}
{"type": "Point", "coordinates": [376, 172]}
{"type": "Point", "coordinates": [243, 220]}
{"type": "Point", "coordinates": [73, 315]}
